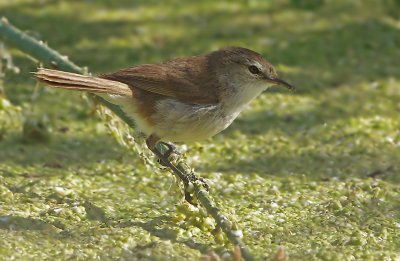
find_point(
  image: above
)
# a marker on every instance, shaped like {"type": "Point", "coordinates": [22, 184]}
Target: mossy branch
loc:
{"type": "Point", "coordinates": [49, 57]}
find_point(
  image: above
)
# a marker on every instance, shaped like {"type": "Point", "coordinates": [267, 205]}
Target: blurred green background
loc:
{"type": "Point", "coordinates": [316, 171]}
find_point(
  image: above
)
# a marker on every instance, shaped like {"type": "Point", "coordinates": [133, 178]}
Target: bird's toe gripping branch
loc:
{"type": "Point", "coordinates": [181, 171]}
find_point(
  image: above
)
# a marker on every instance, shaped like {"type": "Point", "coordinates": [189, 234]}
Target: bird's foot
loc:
{"type": "Point", "coordinates": [172, 149]}
{"type": "Point", "coordinates": [165, 161]}
{"type": "Point", "coordinates": [163, 158]}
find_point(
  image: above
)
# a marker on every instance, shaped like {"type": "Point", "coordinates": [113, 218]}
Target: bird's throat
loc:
{"type": "Point", "coordinates": [235, 98]}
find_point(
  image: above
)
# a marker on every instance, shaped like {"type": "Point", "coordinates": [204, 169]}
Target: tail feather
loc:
{"type": "Point", "coordinates": [73, 81]}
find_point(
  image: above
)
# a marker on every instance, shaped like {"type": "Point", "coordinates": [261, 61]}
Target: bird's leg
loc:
{"type": "Point", "coordinates": [151, 142]}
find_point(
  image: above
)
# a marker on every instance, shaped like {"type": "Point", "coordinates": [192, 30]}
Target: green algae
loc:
{"type": "Point", "coordinates": [315, 171]}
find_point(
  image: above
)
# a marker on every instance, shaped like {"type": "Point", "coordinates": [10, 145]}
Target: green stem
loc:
{"type": "Point", "coordinates": [49, 57]}
{"type": "Point", "coordinates": [222, 221]}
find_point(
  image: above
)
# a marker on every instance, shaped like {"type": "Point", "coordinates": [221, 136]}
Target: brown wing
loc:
{"type": "Point", "coordinates": [186, 79]}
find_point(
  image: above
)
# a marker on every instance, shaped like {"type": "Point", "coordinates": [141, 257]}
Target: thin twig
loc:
{"type": "Point", "coordinates": [43, 53]}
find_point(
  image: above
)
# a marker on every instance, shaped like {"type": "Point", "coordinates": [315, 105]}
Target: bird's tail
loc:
{"type": "Point", "coordinates": [73, 81]}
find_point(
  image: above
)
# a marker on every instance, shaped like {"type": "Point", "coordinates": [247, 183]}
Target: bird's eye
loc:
{"type": "Point", "coordinates": [254, 69]}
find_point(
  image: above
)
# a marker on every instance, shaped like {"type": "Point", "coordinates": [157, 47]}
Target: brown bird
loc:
{"type": "Point", "coordinates": [184, 99]}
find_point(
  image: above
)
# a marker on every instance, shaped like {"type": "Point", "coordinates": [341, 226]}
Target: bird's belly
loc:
{"type": "Point", "coordinates": [177, 121]}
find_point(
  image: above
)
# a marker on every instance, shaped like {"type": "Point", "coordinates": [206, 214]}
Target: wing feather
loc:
{"type": "Point", "coordinates": [185, 79]}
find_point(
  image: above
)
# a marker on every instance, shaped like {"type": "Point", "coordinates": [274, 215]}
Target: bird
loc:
{"type": "Point", "coordinates": [180, 100]}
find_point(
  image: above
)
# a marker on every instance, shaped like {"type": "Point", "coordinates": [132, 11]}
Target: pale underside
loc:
{"type": "Point", "coordinates": [176, 121]}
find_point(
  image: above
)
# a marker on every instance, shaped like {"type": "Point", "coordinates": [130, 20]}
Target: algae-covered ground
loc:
{"type": "Point", "coordinates": [316, 171]}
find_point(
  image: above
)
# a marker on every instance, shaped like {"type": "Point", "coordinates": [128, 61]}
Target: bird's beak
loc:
{"type": "Point", "coordinates": [282, 83]}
